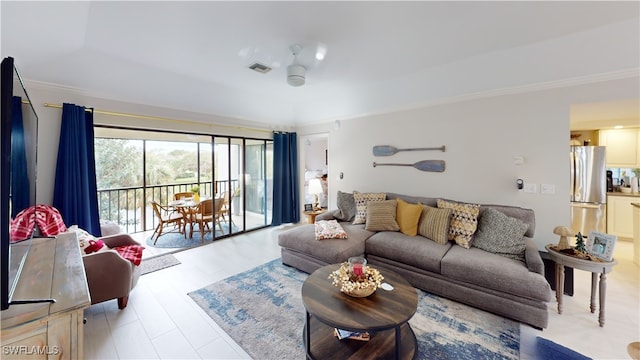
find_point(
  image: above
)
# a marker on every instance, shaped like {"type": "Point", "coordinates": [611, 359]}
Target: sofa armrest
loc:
{"type": "Point", "coordinates": [327, 215]}
{"type": "Point", "coordinates": [532, 257]}
{"type": "Point", "coordinates": [118, 240]}
{"type": "Point", "coordinates": [108, 275]}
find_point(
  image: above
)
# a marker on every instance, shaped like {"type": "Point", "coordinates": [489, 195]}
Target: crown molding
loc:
{"type": "Point", "coordinates": [540, 86]}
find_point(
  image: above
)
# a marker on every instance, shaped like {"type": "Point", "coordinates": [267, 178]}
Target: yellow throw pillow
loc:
{"type": "Point", "coordinates": [434, 224]}
{"type": "Point", "coordinates": [408, 216]}
{"type": "Point", "coordinates": [381, 216]}
{"type": "Point", "coordinates": [464, 221]}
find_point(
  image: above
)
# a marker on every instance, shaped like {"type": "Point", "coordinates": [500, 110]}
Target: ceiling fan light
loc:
{"type": "Point", "coordinates": [321, 51]}
{"type": "Point", "coordinates": [296, 75]}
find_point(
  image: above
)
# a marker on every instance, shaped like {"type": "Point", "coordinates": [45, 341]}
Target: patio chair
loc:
{"type": "Point", "coordinates": [202, 215]}
{"type": "Point", "coordinates": [219, 213]}
{"type": "Point", "coordinates": [182, 195]}
{"type": "Point", "coordinates": [166, 216]}
{"type": "Point", "coordinates": [226, 204]}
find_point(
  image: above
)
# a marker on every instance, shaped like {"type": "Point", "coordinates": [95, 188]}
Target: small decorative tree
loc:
{"type": "Point", "coordinates": [196, 192]}
{"type": "Point", "coordinates": [580, 243]}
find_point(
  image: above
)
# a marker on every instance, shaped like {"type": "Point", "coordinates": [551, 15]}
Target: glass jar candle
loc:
{"type": "Point", "coordinates": [357, 265]}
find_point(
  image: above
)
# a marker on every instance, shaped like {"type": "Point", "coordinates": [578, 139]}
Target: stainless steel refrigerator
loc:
{"type": "Point", "coordinates": [588, 189]}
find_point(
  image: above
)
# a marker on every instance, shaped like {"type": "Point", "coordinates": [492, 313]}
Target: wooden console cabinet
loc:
{"type": "Point", "coordinates": [53, 270]}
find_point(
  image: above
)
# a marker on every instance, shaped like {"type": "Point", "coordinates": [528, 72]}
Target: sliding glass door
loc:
{"type": "Point", "coordinates": [257, 212]}
{"type": "Point", "coordinates": [235, 170]}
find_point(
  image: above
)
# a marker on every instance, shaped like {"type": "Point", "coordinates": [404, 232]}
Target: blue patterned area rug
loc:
{"type": "Point", "coordinates": [175, 239]}
{"type": "Point", "coordinates": [261, 309]}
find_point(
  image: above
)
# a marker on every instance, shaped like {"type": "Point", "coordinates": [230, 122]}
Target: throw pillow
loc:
{"type": "Point", "coordinates": [361, 200]}
{"type": "Point", "coordinates": [464, 221]}
{"type": "Point", "coordinates": [88, 243]}
{"type": "Point", "coordinates": [381, 216]}
{"type": "Point", "coordinates": [329, 229]}
{"type": "Point", "coordinates": [434, 224]}
{"type": "Point", "coordinates": [346, 207]}
{"type": "Point", "coordinates": [501, 234]}
{"type": "Point", "coordinates": [408, 217]}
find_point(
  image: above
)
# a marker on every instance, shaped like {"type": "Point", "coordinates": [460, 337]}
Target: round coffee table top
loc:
{"type": "Point", "coordinates": [380, 311]}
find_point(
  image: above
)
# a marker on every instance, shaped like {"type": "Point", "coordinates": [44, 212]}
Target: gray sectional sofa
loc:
{"type": "Point", "coordinates": [504, 286]}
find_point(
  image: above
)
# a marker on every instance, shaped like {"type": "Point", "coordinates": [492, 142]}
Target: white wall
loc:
{"type": "Point", "coordinates": [315, 152]}
{"type": "Point", "coordinates": [481, 136]}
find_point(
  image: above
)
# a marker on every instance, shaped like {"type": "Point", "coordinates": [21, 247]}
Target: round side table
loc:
{"type": "Point", "coordinates": [595, 267]}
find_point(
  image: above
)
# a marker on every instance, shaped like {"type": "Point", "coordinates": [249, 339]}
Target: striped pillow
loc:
{"type": "Point", "coordinates": [381, 216]}
{"type": "Point", "coordinates": [434, 224]}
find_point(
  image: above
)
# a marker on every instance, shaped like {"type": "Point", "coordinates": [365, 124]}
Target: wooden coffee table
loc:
{"type": "Point", "coordinates": [384, 314]}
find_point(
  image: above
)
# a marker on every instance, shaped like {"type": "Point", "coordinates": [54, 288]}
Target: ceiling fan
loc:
{"type": "Point", "coordinates": [296, 73]}
{"type": "Point", "coordinates": [264, 58]}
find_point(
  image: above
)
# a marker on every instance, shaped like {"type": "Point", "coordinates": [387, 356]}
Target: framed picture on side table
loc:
{"type": "Point", "coordinates": [308, 207]}
{"type": "Point", "coordinates": [601, 245]}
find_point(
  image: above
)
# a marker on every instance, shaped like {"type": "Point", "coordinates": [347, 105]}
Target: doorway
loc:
{"type": "Point", "coordinates": [315, 162]}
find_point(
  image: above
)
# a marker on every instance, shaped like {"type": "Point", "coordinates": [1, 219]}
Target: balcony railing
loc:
{"type": "Point", "coordinates": [129, 206]}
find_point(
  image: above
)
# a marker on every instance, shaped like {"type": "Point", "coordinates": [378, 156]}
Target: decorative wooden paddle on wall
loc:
{"type": "Point", "coordinates": [424, 165]}
{"type": "Point", "coordinates": [387, 150]}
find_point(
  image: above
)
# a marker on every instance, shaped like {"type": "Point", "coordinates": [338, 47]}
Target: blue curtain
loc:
{"type": "Point", "coordinates": [75, 192]}
{"type": "Point", "coordinates": [20, 189]}
{"type": "Point", "coordinates": [286, 207]}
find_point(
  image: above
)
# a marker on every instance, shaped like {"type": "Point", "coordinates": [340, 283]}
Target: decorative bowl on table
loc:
{"type": "Point", "coordinates": [356, 281]}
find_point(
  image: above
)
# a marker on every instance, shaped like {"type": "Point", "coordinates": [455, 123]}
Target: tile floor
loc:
{"type": "Point", "coordinates": [161, 321]}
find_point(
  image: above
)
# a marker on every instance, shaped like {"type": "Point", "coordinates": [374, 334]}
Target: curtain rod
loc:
{"type": "Point", "coordinates": [149, 117]}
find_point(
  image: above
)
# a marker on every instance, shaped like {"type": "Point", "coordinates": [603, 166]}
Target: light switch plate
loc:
{"type": "Point", "coordinates": [547, 189]}
{"type": "Point", "coordinates": [530, 188]}
{"type": "Point", "coordinates": [518, 160]}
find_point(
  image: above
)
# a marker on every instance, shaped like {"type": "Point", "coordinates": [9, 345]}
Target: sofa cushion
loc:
{"type": "Point", "coordinates": [361, 200]}
{"type": "Point", "coordinates": [331, 251]}
{"type": "Point", "coordinates": [381, 216]}
{"type": "Point", "coordinates": [414, 199]}
{"type": "Point", "coordinates": [501, 234]}
{"type": "Point", "coordinates": [494, 272]}
{"type": "Point", "coordinates": [464, 221]}
{"type": "Point", "coordinates": [434, 224]}
{"type": "Point", "coordinates": [108, 228]}
{"type": "Point", "coordinates": [411, 250]}
{"type": "Point", "coordinates": [346, 207]}
{"type": "Point", "coordinates": [408, 217]}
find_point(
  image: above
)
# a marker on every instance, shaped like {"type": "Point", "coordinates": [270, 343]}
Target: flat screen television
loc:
{"type": "Point", "coordinates": [18, 154]}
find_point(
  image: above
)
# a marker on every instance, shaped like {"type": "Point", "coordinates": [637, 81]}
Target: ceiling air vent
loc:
{"type": "Point", "coordinates": [260, 68]}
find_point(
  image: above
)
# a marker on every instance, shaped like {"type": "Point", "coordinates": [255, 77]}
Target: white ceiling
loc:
{"type": "Point", "coordinates": [381, 56]}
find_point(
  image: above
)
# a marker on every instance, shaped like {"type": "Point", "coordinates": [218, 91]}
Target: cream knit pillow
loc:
{"type": "Point", "coordinates": [361, 200]}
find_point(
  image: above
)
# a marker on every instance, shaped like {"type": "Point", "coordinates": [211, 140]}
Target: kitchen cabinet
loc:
{"type": "Point", "coordinates": [623, 147]}
{"type": "Point", "coordinates": [620, 216]}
